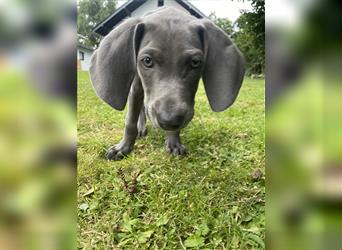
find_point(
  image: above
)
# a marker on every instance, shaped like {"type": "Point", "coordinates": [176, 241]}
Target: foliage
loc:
{"type": "Point", "coordinates": [224, 23]}
{"type": "Point", "coordinates": [205, 200]}
{"type": "Point", "coordinates": [90, 13]}
{"type": "Point", "coordinates": [250, 37]}
{"type": "Point", "coordinates": [248, 33]}
{"type": "Point", "coordinates": [320, 33]}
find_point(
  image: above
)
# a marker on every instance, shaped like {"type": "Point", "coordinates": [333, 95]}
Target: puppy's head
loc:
{"type": "Point", "coordinates": [169, 63]}
{"type": "Point", "coordinates": [170, 51]}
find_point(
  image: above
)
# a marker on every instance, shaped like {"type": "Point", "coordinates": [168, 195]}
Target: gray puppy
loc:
{"type": "Point", "coordinates": [156, 62]}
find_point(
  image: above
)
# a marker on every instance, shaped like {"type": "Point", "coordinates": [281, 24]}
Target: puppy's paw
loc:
{"type": "Point", "coordinates": [175, 148]}
{"type": "Point", "coordinates": [118, 152]}
{"type": "Point", "coordinates": [142, 132]}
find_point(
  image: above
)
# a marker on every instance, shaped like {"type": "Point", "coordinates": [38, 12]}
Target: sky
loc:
{"type": "Point", "coordinates": [222, 8]}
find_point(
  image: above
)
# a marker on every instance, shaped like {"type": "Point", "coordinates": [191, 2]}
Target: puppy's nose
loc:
{"type": "Point", "coordinates": [170, 122]}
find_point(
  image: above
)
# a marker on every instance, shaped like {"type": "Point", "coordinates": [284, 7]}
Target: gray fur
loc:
{"type": "Point", "coordinates": [182, 48]}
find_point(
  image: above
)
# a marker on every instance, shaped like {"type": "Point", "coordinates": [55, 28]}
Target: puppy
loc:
{"type": "Point", "coordinates": [155, 62]}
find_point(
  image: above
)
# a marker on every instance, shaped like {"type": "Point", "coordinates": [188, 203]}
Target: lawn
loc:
{"type": "Point", "coordinates": [213, 198]}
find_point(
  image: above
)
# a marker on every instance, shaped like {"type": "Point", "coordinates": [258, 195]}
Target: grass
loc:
{"type": "Point", "coordinates": [205, 200]}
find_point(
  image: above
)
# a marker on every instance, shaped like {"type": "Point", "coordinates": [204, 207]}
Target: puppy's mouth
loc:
{"type": "Point", "coordinates": [171, 127]}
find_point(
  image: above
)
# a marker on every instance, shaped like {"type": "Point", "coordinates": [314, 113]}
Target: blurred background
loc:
{"type": "Point", "coordinates": [303, 124]}
{"type": "Point", "coordinates": [37, 124]}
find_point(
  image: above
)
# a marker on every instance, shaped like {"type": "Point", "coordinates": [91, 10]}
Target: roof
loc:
{"type": "Point", "coordinates": [104, 27]}
{"type": "Point", "coordinates": [192, 9]}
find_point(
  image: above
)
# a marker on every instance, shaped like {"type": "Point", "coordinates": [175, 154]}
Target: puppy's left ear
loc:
{"type": "Point", "coordinates": [113, 64]}
{"type": "Point", "coordinates": [224, 67]}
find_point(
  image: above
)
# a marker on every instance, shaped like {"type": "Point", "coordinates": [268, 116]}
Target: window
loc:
{"type": "Point", "coordinates": [81, 55]}
{"type": "Point", "coordinates": [160, 3]}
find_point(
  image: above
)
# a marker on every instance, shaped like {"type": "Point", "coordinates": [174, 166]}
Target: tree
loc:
{"type": "Point", "coordinates": [90, 13]}
{"type": "Point", "coordinates": [250, 37]}
{"type": "Point", "coordinates": [248, 33]}
{"type": "Point", "coordinates": [224, 23]}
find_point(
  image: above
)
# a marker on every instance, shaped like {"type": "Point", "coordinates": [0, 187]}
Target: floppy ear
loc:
{"type": "Point", "coordinates": [113, 65]}
{"type": "Point", "coordinates": [224, 68]}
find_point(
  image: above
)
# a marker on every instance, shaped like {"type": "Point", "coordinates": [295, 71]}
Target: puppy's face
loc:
{"type": "Point", "coordinates": [169, 63]}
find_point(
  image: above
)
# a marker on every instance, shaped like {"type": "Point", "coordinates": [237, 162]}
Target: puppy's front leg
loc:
{"type": "Point", "coordinates": [173, 143]}
{"type": "Point", "coordinates": [135, 102]}
{"type": "Point", "coordinates": [142, 130]}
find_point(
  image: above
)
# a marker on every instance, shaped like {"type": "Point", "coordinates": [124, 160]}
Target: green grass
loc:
{"type": "Point", "coordinates": [205, 200]}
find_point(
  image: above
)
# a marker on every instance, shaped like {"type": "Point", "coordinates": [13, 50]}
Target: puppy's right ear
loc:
{"type": "Point", "coordinates": [113, 64]}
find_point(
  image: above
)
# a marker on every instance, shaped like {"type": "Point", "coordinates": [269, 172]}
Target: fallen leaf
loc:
{"type": "Point", "coordinates": [257, 175]}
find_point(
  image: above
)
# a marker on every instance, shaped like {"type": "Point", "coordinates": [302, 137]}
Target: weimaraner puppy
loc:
{"type": "Point", "coordinates": [156, 62]}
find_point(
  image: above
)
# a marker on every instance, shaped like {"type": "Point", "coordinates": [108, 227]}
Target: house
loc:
{"type": "Point", "coordinates": [83, 57]}
{"type": "Point", "coordinates": [137, 8]}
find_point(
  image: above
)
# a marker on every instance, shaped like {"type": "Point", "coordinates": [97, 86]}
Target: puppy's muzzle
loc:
{"type": "Point", "coordinates": [171, 121]}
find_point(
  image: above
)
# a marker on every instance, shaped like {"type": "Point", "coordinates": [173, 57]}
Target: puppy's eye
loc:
{"type": "Point", "coordinates": [195, 63]}
{"type": "Point", "coordinates": [147, 61]}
